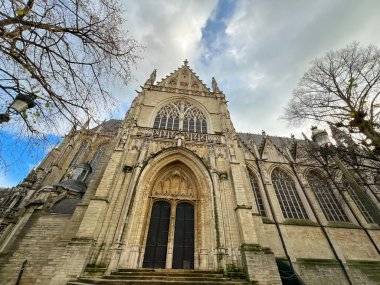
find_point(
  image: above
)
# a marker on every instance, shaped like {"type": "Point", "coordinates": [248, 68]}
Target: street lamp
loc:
{"type": "Point", "coordinates": [320, 137]}
{"type": "Point", "coordinates": [21, 103]}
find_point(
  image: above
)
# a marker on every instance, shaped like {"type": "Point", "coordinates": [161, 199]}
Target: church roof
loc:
{"type": "Point", "coordinates": [108, 126]}
{"type": "Point", "coordinates": [279, 142]}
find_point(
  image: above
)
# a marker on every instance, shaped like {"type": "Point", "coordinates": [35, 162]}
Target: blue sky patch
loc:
{"type": "Point", "coordinates": [19, 155]}
{"type": "Point", "coordinates": [214, 33]}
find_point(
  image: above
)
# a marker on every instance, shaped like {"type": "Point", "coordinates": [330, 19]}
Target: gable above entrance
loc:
{"type": "Point", "coordinates": [183, 80]}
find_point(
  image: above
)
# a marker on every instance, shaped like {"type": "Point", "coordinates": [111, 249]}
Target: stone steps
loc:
{"type": "Point", "coordinates": [152, 282]}
{"type": "Point", "coordinates": [159, 277]}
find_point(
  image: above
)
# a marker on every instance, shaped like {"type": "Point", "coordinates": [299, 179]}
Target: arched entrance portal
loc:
{"type": "Point", "coordinates": [171, 228]}
{"type": "Point", "coordinates": [175, 184]}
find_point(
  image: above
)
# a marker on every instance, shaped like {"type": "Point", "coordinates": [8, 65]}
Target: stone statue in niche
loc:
{"type": "Point", "coordinates": [211, 151]}
{"type": "Point", "coordinates": [232, 152]}
{"type": "Point", "coordinates": [123, 140]}
{"type": "Point", "coordinates": [220, 152]}
{"type": "Point", "coordinates": [136, 144]}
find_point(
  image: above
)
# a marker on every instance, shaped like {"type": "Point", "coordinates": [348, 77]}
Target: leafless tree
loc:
{"type": "Point", "coordinates": [73, 51]}
{"type": "Point", "coordinates": [342, 89]}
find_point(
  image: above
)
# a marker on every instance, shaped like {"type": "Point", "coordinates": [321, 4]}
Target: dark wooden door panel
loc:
{"type": "Point", "coordinates": [156, 244]}
{"type": "Point", "coordinates": [183, 253]}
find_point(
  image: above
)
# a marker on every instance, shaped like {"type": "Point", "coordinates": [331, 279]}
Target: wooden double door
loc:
{"type": "Point", "coordinates": [160, 230]}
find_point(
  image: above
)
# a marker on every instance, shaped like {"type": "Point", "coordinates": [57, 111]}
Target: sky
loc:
{"type": "Point", "coordinates": [257, 50]}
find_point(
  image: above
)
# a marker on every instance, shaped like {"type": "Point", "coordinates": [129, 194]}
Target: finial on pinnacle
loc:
{"type": "Point", "coordinates": [151, 79]}
{"type": "Point", "coordinates": [186, 62]}
{"type": "Point", "coordinates": [215, 87]}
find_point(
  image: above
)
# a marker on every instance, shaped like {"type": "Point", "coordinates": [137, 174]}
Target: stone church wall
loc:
{"type": "Point", "coordinates": [42, 243]}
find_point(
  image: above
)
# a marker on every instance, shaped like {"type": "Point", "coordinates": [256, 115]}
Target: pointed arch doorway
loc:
{"type": "Point", "coordinates": [171, 227]}
{"type": "Point", "coordinates": [177, 236]}
{"type": "Point", "coordinates": [175, 176]}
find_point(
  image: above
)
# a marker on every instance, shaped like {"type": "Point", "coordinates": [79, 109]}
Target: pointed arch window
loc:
{"type": "Point", "coordinates": [257, 194]}
{"type": "Point", "coordinates": [362, 201]}
{"type": "Point", "coordinates": [181, 116]}
{"type": "Point", "coordinates": [326, 198]}
{"type": "Point", "coordinates": [96, 159]}
{"type": "Point", "coordinates": [290, 202]}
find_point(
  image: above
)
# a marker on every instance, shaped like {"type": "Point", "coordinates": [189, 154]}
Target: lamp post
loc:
{"type": "Point", "coordinates": [21, 103]}
{"type": "Point", "coordinates": [321, 138]}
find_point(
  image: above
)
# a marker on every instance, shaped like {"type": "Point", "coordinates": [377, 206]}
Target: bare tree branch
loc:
{"type": "Point", "coordinates": [342, 89]}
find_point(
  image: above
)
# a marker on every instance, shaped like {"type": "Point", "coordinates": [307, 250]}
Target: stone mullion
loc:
{"type": "Point", "coordinates": [170, 244]}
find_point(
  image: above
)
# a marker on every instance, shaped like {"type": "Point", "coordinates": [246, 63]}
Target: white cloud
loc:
{"type": "Point", "coordinates": [171, 32]}
{"type": "Point", "coordinates": [267, 46]}
{"type": "Point", "coordinates": [270, 45]}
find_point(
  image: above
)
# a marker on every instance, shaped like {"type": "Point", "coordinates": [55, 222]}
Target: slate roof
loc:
{"type": "Point", "coordinates": [109, 126]}
{"type": "Point", "coordinates": [279, 142]}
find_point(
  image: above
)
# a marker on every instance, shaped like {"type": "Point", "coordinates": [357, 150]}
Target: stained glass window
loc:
{"type": "Point", "coordinates": [360, 200]}
{"type": "Point", "coordinates": [290, 202]}
{"type": "Point", "coordinates": [181, 115]}
{"type": "Point", "coordinates": [326, 198]}
{"type": "Point", "coordinates": [258, 197]}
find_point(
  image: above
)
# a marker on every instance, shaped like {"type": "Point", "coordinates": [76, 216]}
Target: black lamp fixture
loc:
{"type": "Point", "coordinates": [21, 103]}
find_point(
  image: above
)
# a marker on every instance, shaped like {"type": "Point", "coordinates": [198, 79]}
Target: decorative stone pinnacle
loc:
{"type": "Point", "coordinates": [186, 62]}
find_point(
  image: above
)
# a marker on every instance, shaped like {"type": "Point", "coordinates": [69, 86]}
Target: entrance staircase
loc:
{"type": "Point", "coordinates": [159, 277]}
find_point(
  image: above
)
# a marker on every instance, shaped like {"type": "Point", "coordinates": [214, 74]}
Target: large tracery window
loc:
{"type": "Point", "coordinates": [258, 197]}
{"type": "Point", "coordinates": [362, 202]}
{"type": "Point", "coordinates": [326, 199]}
{"type": "Point", "coordinates": [181, 116]}
{"type": "Point", "coordinates": [290, 202]}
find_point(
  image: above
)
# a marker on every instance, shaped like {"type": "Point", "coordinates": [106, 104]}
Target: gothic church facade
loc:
{"type": "Point", "coordinates": [173, 186]}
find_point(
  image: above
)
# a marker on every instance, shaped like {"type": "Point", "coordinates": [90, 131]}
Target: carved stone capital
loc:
{"type": "Point", "coordinates": [223, 175]}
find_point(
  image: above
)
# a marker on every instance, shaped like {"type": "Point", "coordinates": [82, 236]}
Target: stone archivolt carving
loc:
{"type": "Point", "coordinates": [174, 184]}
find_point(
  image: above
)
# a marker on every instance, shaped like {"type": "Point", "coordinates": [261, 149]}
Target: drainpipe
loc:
{"type": "Point", "coordinates": [322, 226]}
{"type": "Point", "coordinates": [275, 220]}
{"type": "Point", "coordinates": [23, 266]}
